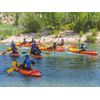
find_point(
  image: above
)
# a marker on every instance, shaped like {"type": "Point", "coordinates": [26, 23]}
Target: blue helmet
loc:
{"type": "Point", "coordinates": [26, 56]}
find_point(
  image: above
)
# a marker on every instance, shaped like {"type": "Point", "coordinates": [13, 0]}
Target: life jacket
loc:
{"type": "Point", "coordinates": [28, 63]}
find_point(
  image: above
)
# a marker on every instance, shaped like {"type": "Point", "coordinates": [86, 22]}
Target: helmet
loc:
{"type": "Point", "coordinates": [34, 42]}
{"type": "Point", "coordinates": [26, 56]}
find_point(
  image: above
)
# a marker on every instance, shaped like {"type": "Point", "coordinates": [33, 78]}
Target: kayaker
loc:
{"type": "Point", "coordinates": [27, 64]}
{"type": "Point", "coordinates": [50, 46]}
{"type": "Point", "coordinates": [54, 46]}
{"type": "Point", "coordinates": [13, 47]}
{"type": "Point", "coordinates": [35, 49]}
{"type": "Point", "coordinates": [83, 47]}
{"type": "Point", "coordinates": [24, 41]}
{"type": "Point", "coordinates": [62, 42]}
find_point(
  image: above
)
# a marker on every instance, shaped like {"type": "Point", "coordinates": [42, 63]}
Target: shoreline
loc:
{"type": "Point", "coordinates": [46, 39]}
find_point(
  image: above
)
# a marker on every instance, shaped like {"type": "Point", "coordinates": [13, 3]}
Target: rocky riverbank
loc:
{"type": "Point", "coordinates": [46, 39]}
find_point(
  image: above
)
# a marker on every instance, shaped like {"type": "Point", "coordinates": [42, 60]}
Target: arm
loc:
{"type": "Point", "coordinates": [32, 62]}
{"type": "Point", "coordinates": [24, 63]}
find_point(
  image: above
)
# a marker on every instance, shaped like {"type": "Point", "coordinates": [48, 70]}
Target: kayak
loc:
{"type": "Point", "coordinates": [24, 44]}
{"type": "Point", "coordinates": [58, 49]}
{"type": "Point", "coordinates": [18, 44]}
{"type": "Point", "coordinates": [43, 48]}
{"type": "Point", "coordinates": [35, 73]}
{"type": "Point", "coordinates": [75, 50]}
{"type": "Point", "coordinates": [14, 54]}
{"type": "Point", "coordinates": [36, 56]}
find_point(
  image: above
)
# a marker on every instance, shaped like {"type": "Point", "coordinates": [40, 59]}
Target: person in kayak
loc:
{"type": "Point", "coordinates": [62, 42]}
{"type": "Point", "coordinates": [49, 47]}
{"type": "Point", "coordinates": [83, 47]}
{"type": "Point", "coordinates": [24, 41]}
{"type": "Point", "coordinates": [54, 46]}
{"type": "Point", "coordinates": [35, 49]}
{"type": "Point", "coordinates": [27, 64]}
{"type": "Point", "coordinates": [13, 47]}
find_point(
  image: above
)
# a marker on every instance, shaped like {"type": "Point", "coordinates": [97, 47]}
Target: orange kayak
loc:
{"type": "Point", "coordinates": [59, 49]}
{"type": "Point", "coordinates": [34, 73]}
{"type": "Point", "coordinates": [24, 45]}
{"type": "Point", "coordinates": [75, 50]}
{"type": "Point", "coordinates": [36, 56]}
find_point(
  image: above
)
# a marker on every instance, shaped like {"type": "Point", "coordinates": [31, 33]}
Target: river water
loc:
{"type": "Point", "coordinates": [57, 69]}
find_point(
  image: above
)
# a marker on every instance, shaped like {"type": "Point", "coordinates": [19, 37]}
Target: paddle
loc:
{"type": "Point", "coordinates": [4, 52]}
{"type": "Point", "coordinates": [24, 52]}
{"type": "Point", "coordinates": [9, 70]}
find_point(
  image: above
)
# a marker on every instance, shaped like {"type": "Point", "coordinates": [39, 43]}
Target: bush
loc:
{"type": "Point", "coordinates": [81, 33]}
{"type": "Point", "coordinates": [37, 35]}
{"type": "Point", "coordinates": [8, 30]}
{"type": "Point", "coordinates": [31, 22]}
{"type": "Point", "coordinates": [94, 32]}
{"type": "Point", "coordinates": [91, 39]}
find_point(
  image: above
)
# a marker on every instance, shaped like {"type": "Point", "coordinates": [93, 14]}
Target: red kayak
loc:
{"type": "Point", "coordinates": [75, 50]}
{"type": "Point", "coordinates": [34, 73]}
{"type": "Point", "coordinates": [14, 54]}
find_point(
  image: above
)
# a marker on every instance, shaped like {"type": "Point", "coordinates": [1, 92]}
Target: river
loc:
{"type": "Point", "coordinates": [57, 69]}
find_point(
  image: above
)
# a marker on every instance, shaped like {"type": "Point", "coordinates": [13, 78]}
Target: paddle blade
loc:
{"type": "Point", "coordinates": [10, 70]}
{"type": "Point", "coordinates": [24, 52]}
{"type": "Point", "coordinates": [9, 49]}
{"type": "Point", "coordinates": [3, 53]}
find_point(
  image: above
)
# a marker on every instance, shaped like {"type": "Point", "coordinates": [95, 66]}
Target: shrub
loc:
{"type": "Point", "coordinates": [8, 30]}
{"type": "Point", "coordinates": [81, 33]}
{"type": "Point", "coordinates": [90, 38]}
{"type": "Point", "coordinates": [94, 32]}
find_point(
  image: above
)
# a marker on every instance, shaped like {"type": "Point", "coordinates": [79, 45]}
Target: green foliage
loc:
{"type": "Point", "coordinates": [91, 39]}
{"type": "Point", "coordinates": [56, 32]}
{"type": "Point", "coordinates": [37, 35]}
{"type": "Point", "coordinates": [81, 33]}
{"type": "Point", "coordinates": [32, 22]}
{"type": "Point", "coordinates": [8, 30]}
{"type": "Point", "coordinates": [80, 22]}
{"type": "Point", "coordinates": [94, 32]}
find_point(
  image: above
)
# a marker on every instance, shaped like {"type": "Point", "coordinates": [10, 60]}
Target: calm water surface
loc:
{"type": "Point", "coordinates": [58, 69]}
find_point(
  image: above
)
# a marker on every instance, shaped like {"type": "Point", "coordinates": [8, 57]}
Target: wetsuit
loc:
{"type": "Point", "coordinates": [83, 47]}
{"type": "Point", "coordinates": [62, 42]}
{"type": "Point", "coordinates": [27, 64]}
{"type": "Point", "coordinates": [24, 41]}
{"type": "Point", "coordinates": [35, 50]}
{"type": "Point", "coordinates": [13, 47]}
{"type": "Point", "coordinates": [54, 46]}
